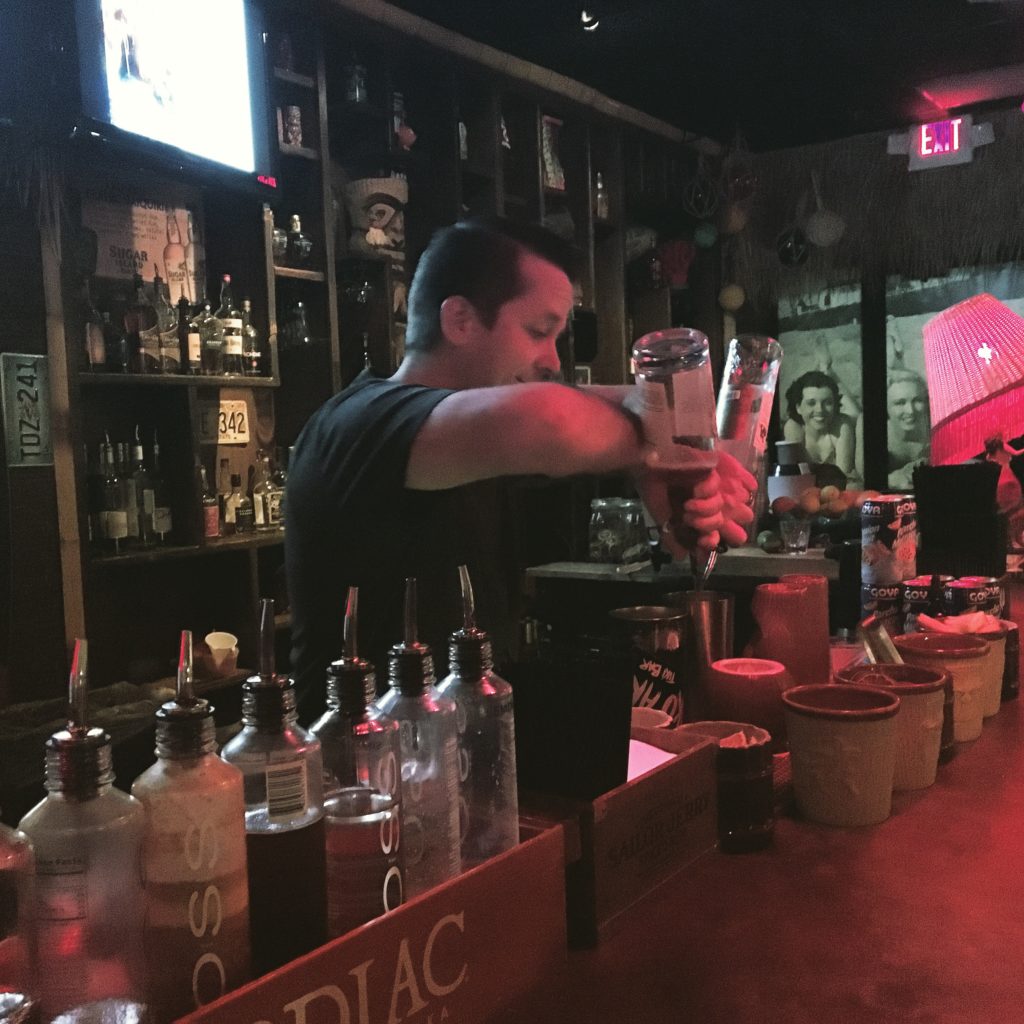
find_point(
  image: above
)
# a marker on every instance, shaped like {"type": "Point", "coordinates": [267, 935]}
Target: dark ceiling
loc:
{"type": "Point", "coordinates": [780, 72]}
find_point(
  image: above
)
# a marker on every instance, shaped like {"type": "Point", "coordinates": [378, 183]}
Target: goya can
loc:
{"type": "Point", "coordinates": [922, 595]}
{"type": "Point", "coordinates": [888, 539]}
{"type": "Point", "coordinates": [972, 594]}
{"type": "Point", "coordinates": [884, 601]}
{"type": "Point", "coordinates": [995, 596]}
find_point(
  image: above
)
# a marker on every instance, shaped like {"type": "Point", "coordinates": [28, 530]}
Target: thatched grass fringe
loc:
{"type": "Point", "coordinates": [919, 225]}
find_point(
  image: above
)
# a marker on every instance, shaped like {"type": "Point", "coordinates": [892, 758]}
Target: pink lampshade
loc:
{"type": "Point", "coordinates": [974, 359]}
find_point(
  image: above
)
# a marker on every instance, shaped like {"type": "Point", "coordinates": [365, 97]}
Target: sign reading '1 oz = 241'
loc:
{"type": "Point", "coordinates": [25, 397]}
{"type": "Point", "coordinates": [224, 422]}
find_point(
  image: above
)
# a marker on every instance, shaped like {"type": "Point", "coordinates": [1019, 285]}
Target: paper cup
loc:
{"type": "Point", "coordinates": [992, 670]}
{"type": "Point", "coordinates": [919, 722]}
{"type": "Point", "coordinates": [962, 657]}
{"type": "Point", "coordinates": [842, 744]}
{"type": "Point", "coordinates": [649, 718]}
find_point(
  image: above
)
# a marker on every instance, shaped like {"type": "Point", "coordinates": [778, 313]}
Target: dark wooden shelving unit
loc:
{"type": "Point", "coordinates": [294, 78]}
{"type": "Point", "coordinates": [170, 380]}
{"type": "Point", "coordinates": [302, 152]}
{"type": "Point", "coordinates": [299, 274]}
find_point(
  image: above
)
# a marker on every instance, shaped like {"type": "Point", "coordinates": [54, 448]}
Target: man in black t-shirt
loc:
{"type": "Point", "coordinates": [403, 477]}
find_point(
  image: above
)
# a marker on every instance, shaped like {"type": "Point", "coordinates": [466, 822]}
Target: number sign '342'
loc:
{"type": "Point", "coordinates": [224, 422]}
{"type": "Point", "coordinates": [25, 394]}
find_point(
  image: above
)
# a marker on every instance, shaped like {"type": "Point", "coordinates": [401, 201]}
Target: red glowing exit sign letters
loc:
{"type": "Point", "coordinates": [941, 143]}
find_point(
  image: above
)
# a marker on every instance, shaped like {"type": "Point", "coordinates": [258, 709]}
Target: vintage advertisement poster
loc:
{"type": "Point", "coordinates": [148, 238]}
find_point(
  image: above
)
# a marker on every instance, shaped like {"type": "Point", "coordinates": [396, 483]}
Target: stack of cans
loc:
{"type": "Point", "coordinates": [888, 556]}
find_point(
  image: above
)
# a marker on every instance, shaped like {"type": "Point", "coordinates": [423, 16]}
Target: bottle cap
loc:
{"type": "Point", "coordinates": [78, 758]}
{"type": "Point", "coordinates": [469, 648]}
{"type": "Point", "coordinates": [184, 726]}
{"type": "Point", "coordinates": [226, 279]}
{"type": "Point", "coordinates": [268, 699]}
{"type": "Point", "coordinates": [351, 680]}
{"type": "Point", "coordinates": [410, 663]}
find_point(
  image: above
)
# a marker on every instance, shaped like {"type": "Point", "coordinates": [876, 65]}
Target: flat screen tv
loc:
{"type": "Point", "coordinates": [182, 82]}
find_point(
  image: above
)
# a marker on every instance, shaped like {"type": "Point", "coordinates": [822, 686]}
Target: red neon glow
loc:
{"type": "Point", "coordinates": [940, 137]}
{"type": "Point", "coordinates": [267, 179]}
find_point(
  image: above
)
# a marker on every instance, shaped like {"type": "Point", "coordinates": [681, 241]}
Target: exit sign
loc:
{"type": "Point", "coordinates": [941, 143]}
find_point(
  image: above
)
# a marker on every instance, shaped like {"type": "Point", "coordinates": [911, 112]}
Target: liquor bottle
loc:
{"type": "Point", "coordinates": [265, 496]}
{"type": "Point", "coordinates": [195, 262]}
{"type": "Point", "coordinates": [243, 513]}
{"type": "Point", "coordinates": [115, 515]}
{"type": "Point", "coordinates": [175, 263]}
{"type": "Point", "coordinates": [224, 495]}
{"type": "Point", "coordinates": [140, 325]}
{"type": "Point", "coordinates": [87, 837]}
{"type": "Point", "coordinates": [197, 889]}
{"type": "Point", "coordinates": [210, 506]}
{"type": "Point", "coordinates": [284, 820]}
{"type": "Point", "coordinates": [144, 497]}
{"type": "Point", "coordinates": [94, 496]}
{"type": "Point", "coordinates": [162, 520]}
{"type": "Point", "coordinates": [295, 333]}
{"type": "Point", "coordinates": [280, 481]}
{"type": "Point", "coordinates": [489, 806]}
{"type": "Point", "coordinates": [129, 498]}
{"type": "Point", "coordinates": [95, 337]}
{"type": "Point", "coordinates": [211, 341]}
{"type": "Point", "coordinates": [231, 318]}
{"type": "Point", "coordinates": [17, 942]}
{"type": "Point", "coordinates": [190, 346]}
{"type": "Point", "coordinates": [744, 408]}
{"type": "Point", "coordinates": [252, 357]}
{"type": "Point", "coordinates": [430, 760]}
{"type": "Point", "coordinates": [362, 773]}
{"type": "Point", "coordinates": [167, 326]}
{"type": "Point", "coordinates": [600, 198]}
{"type": "Point", "coordinates": [300, 245]}
{"type": "Point", "coordinates": [115, 347]}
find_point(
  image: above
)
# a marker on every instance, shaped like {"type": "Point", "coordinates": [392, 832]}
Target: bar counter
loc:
{"type": "Point", "coordinates": [919, 919]}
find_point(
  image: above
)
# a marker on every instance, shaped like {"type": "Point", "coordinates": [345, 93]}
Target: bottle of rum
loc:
{"type": "Point", "coordinates": [95, 337]}
{"type": "Point", "coordinates": [190, 346]}
{"type": "Point", "coordinates": [128, 496]}
{"type": "Point", "coordinates": [211, 341]}
{"type": "Point", "coordinates": [430, 760]}
{"type": "Point", "coordinates": [175, 264]}
{"type": "Point", "coordinates": [224, 492]}
{"type": "Point", "coordinates": [144, 497]}
{"type": "Point", "coordinates": [140, 325]}
{"type": "Point", "coordinates": [362, 791]}
{"type": "Point", "coordinates": [251, 355]}
{"type": "Point", "coordinates": [231, 318]}
{"type": "Point", "coordinates": [210, 506]}
{"type": "Point", "coordinates": [265, 498]}
{"type": "Point", "coordinates": [115, 515]}
{"type": "Point", "coordinates": [167, 327]}
{"type": "Point", "coordinates": [245, 514]}
{"type": "Point", "coordinates": [489, 809]}
{"type": "Point", "coordinates": [284, 817]}
{"type": "Point", "coordinates": [162, 521]}
{"type": "Point", "coordinates": [197, 888]}
{"type": "Point", "coordinates": [90, 904]}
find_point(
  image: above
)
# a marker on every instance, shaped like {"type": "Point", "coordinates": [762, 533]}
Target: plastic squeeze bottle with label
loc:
{"type": "Point", "coordinates": [89, 904]}
{"type": "Point", "coordinates": [197, 892]}
{"type": "Point", "coordinates": [284, 814]}
{"type": "Point", "coordinates": [362, 791]}
{"type": "Point", "coordinates": [430, 760]}
{"type": "Point", "coordinates": [488, 801]}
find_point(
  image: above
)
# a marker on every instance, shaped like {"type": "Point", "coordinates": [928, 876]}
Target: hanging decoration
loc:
{"type": "Point", "coordinates": [732, 297]}
{"type": "Point", "coordinates": [824, 227]}
{"type": "Point", "coordinates": [705, 234]}
{"type": "Point", "coordinates": [701, 194]}
{"type": "Point", "coordinates": [792, 247]}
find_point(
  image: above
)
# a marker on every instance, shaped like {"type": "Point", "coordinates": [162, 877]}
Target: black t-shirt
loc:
{"type": "Point", "coordinates": [352, 521]}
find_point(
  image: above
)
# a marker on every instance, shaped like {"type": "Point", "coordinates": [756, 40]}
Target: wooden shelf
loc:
{"type": "Point", "coordinates": [294, 78]}
{"type": "Point", "coordinates": [238, 542]}
{"type": "Point", "coordinates": [304, 152]}
{"type": "Point", "coordinates": [298, 274]}
{"type": "Point", "coordinates": [175, 380]}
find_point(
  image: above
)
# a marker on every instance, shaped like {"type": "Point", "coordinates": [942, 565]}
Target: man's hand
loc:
{"type": "Point", "coordinates": [698, 507]}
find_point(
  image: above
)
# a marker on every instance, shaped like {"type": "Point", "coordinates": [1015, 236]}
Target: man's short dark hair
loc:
{"type": "Point", "coordinates": [479, 260]}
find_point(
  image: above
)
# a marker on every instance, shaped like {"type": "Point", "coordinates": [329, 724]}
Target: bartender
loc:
{"type": "Point", "coordinates": [407, 476]}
